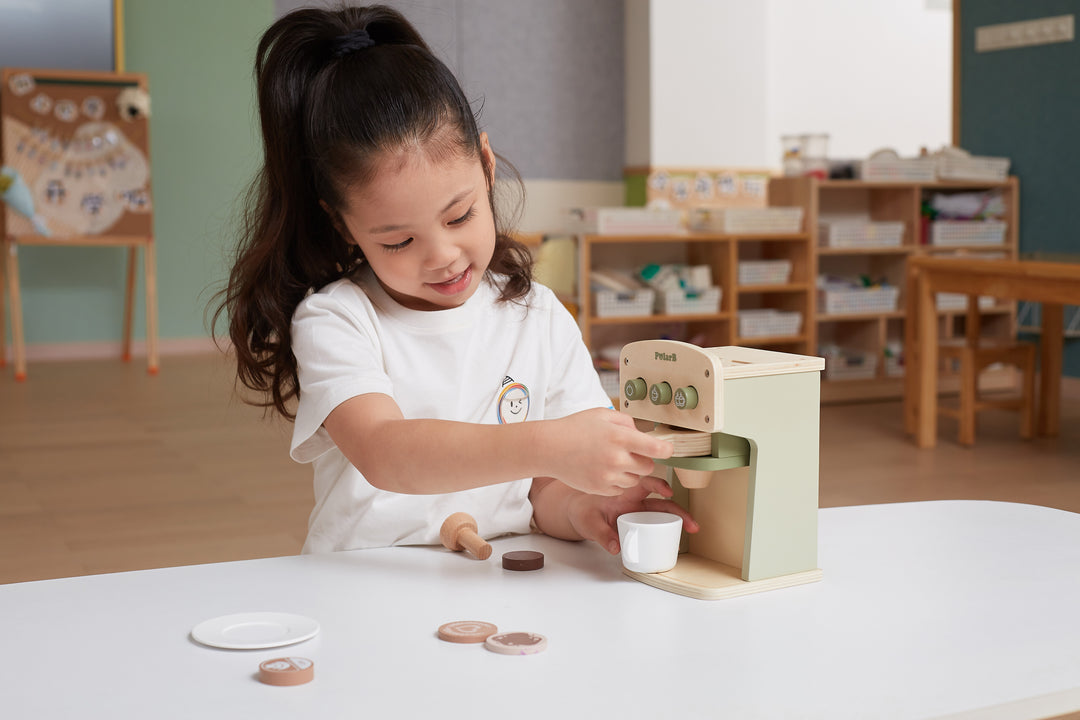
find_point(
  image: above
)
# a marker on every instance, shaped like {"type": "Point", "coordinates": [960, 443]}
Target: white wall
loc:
{"type": "Point", "coordinates": [706, 81]}
{"type": "Point", "coordinates": [727, 77]}
{"type": "Point", "coordinates": [871, 74]}
{"type": "Point", "coordinates": [709, 82]}
{"type": "Point", "coordinates": [637, 73]}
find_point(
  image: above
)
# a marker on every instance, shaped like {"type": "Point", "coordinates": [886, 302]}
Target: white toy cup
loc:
{"type": "Point", "coordinates": [650, 541]}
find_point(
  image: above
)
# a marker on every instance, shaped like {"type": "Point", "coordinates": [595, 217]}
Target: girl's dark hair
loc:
{"type": "Point", "coordinates": [337, 89]}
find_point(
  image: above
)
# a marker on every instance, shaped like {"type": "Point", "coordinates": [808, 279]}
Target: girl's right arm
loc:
{"type": "Point", "coordinates": [597, 451]}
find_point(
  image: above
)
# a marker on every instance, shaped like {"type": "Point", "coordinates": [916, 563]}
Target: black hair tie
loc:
{"type": "Point", "coordinates": [351, 42]}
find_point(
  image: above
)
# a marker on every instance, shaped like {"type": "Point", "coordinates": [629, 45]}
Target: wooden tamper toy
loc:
{"type": "Point", "coordinates": [458, 532]}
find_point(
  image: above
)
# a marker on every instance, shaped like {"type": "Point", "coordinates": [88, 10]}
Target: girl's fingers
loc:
{"type": "Point", "coordinates": [643, 465]}
{"type": "Point", "coordinates": [654, 447]}
{"type": "Point", "coordinates": [643, 443]}
{"type": "Point", "coordinates": [605, 536]}
{"type": "Point", "coordinates": [653, 484]}
{"type": "Point", "coordinates": [595, 526]}
{"type": "Point", "coordinates": [614, 486]}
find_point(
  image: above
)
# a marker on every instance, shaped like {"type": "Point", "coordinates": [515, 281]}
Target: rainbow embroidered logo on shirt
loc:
{"type": "Point", "coordinates": [513, 402]}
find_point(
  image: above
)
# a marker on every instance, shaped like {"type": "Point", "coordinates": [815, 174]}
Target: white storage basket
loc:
{"type": "Point", "coordinates": [769, 322]}
{"type": "Point", "coordinates": [858, 233]}
{"type": "Point", "coordinates": [949, 233]}
{"type": "Point", "coordinates": [918, 169]}
{"type": "Point", "coordinates": [841, 301]}
{"type": "Point", "coordinates": [609, 380]}
{"type": "Point", "coordinates": [764, 272]}
{"type": "Point", "coordinates": [681, 302]}
{"type": "Point", "coordinates": [974, 167]}
{"type": "Point", "coordinates": [636, 303]}
{"type": "Point", "coordinates": [623, 221]}
{"type": "Point", "coordinates": [850, 365]}
{"type": "Point", "coordinates": [750, 221]}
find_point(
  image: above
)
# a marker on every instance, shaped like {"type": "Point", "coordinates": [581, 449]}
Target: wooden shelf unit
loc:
{"type": "Point", "coordinates": [722, 253]}
{"type": "Point", "coordinates": [873, 331]}
{"type": "Point", "coordinates": [864, 331]}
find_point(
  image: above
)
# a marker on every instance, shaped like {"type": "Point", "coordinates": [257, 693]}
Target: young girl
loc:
{"type": "Point", "coordinates": [375, 292]}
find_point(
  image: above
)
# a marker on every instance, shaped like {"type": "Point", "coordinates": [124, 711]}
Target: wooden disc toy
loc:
{"type": "Point", "coordinates": [458, 532]}
{"type": "Point", "coordinates": [516, 643]}
{"type": "Point", "coordinates": [466, 631]}
{"type": "Point", "coordinates": [523, 560]}
{"type": "Point", "coordinates": [286, 671]}
{"type": "Point", "coordinates": [688, 443]}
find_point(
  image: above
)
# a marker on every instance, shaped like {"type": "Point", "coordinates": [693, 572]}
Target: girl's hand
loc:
{"type": "Point", "coordinates": [601, 452]}
{"type": "Point", "coordinates": [594, 517]}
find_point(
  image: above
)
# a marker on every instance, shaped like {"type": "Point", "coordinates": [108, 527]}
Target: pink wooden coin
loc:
{"type": "Point", "coordinates": [516, 643]}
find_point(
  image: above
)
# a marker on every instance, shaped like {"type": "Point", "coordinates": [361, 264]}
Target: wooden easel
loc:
{"type": "Point", "coordinates": [62, 127]}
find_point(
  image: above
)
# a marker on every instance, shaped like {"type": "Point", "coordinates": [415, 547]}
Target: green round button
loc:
{"type": "Point", "coordinates": [686, 398]}
{"type": "Point", "coordinates": [660, 393]}
{"type": "Point", "coordinates": [635, 389]}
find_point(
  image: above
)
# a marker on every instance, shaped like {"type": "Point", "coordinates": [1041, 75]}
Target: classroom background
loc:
{"type": "Point", "coordinates": [572, 93]}
{"type": "Point", "coordinates": [104, 467]}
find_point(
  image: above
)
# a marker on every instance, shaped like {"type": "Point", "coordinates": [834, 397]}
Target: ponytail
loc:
{"type": "Point", "coordinates": [336, 90]}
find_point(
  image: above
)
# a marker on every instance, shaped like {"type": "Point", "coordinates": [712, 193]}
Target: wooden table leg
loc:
{"type": "Point", "coordinates": [150, 270]}
{"type": "Point", "coordinates": [1052, 345]}
{"type": "Point", "coordinates": [927, 330]}
{"type": "Point", "coordinates": [129, 301]}
{"type": "Point", "coordinates": [3, 304]}
{"type": "Point", "coordinates": [18, 341]}
{"type": "Point", "coordinates": [911, 353]}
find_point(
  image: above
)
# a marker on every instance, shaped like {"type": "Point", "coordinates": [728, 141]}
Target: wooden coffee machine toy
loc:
{"type": "Point", "coordinates": [745, 427]}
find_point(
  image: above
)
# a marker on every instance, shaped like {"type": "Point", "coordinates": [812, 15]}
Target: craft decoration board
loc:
{"type": "Point", "coordinates": [685, 188]}
{"type": "Point", "coordinates": [83, 156]}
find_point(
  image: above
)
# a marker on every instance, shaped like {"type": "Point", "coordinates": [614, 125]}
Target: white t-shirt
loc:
{"type": "Point", "coordinates": [482, 362]}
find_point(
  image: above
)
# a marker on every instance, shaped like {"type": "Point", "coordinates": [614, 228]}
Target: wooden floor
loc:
{"type": "Point", "coordinates": [104, 468]}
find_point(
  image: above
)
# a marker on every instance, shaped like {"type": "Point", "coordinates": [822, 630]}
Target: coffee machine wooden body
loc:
{"type": "Point", "coordinates": [755, 494]}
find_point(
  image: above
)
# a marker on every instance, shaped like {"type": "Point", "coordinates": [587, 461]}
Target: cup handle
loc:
{"type": "Point", "coordinates": [630, 545]}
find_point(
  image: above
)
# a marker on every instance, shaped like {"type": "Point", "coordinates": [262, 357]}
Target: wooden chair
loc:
{"type": "Point", "coordinates": [975, 354]}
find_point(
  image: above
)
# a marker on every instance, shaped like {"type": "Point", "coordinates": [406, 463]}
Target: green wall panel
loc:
{"type": "Point", "coordinates": [198, 55]}
{"type": "Point", "coordinates": [1024, 104]}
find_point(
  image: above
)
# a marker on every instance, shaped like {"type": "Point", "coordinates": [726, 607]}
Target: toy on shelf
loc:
{"type": "Point", "coordinates": [754, 491]}
{"type": "Point", "coordinates": [806, 154]}
{"type": "Point", "coordinates": [458, 533]}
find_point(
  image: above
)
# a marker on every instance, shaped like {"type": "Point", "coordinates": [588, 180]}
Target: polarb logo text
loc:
{"type": "Point", "coordinates": [666, 357]}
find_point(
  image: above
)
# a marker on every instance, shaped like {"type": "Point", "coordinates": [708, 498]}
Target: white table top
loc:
{"type": "Point", "coordinates": [925, 610]}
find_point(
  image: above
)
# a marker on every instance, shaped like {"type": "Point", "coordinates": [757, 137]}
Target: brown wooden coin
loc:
{"type": "Point", "coordinates": [523, 560]}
